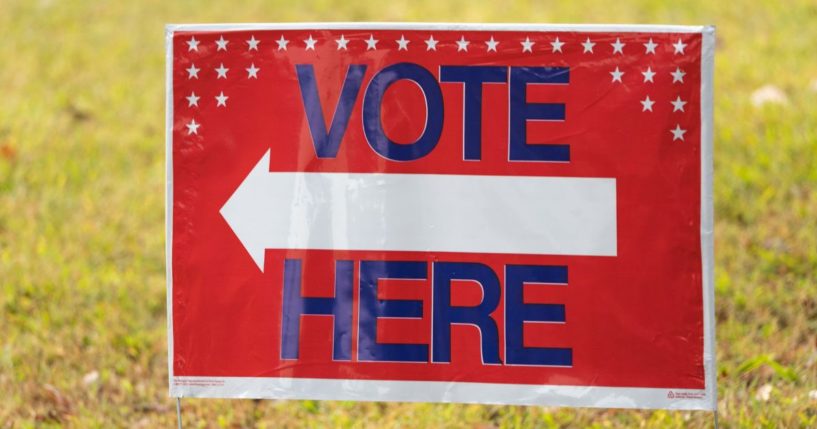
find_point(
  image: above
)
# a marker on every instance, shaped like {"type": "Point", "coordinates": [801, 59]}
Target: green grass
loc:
{"type": "Point", "coordinates": [81, 214]}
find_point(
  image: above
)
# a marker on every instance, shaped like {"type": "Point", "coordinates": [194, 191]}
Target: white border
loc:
{"type": "Point", "coordinates": [169, 196]}
{"type": "Point", "coordinates": [436, 391]}
{"type": "Point", "coordinates": [485, 393]}
{"type": "Point", "coordinates": [707, 213]}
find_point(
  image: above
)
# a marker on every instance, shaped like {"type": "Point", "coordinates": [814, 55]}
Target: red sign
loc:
{"type": "Point", "coordinates": [455, 213]}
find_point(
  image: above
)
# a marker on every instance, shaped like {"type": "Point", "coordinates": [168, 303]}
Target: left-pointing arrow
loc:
{"type": "Point", "coordinates": [422, 213]}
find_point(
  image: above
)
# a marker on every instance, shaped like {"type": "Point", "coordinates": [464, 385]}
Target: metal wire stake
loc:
{"type": "Point", "coordinates": [179, 412]}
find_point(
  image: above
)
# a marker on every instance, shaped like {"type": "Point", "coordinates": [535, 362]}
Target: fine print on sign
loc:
{"type": "Point", "coordinates": [515, 214]}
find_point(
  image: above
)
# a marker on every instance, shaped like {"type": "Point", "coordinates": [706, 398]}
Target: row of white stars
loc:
{"type": "Point", "coordinates": [431, 44]}
{"type": "Point", "coordinates": [221, 71]}
{"type": "Point", "coordinates": [193, 44]}
{"type": "Point", "coordinates": [617, 74]}
{"type": "Point", "coordinates": [649, 75]}
{"type": "Point", "coordinates": [193, 99]}
{"type": "Point", "coordinates": [677, 105]}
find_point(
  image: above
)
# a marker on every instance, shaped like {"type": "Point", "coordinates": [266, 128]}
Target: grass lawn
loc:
{"type": "Point", "coordinates": [82, 287]}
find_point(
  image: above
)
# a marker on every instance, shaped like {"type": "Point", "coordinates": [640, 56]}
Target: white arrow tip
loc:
{"type": "Point", "coordinates": [246, 209]}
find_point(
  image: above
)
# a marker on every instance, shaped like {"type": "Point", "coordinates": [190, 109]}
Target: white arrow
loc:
{"type": "Point", "coordinates": [422, 212]}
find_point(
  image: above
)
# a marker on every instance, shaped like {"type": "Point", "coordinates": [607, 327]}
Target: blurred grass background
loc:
{"type": "Point", "coordinates": [82, 289]}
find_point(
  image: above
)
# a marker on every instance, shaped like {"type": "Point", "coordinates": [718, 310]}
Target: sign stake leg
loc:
{"type": "Point", "coordinates": [179, 412]}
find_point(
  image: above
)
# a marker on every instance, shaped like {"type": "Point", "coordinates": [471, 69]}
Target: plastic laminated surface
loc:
{"type": "Point", "coordinates": [516, 214]}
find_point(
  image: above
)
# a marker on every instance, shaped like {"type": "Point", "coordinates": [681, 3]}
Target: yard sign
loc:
{"type": "Point", "coordinates": [516, 214]}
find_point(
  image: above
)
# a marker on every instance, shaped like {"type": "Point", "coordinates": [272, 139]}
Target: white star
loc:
{"type": "Point", "coordinates": [342, 42]}
{"type": "Point", "coordinates": [527, 45]}
{"type": "Point", "coordinates": [588, 46]}
{"type": "Point", "coordinates": [431, 44]}
{"type": "Point", "coordinates": [678, 75]}
{"type": "Point", "coordinates": [462, 44]}
{"type": "Point", "coordinates": [678, 104]}
{"type": "Point", "coordinates": [371, 43]}
{"type": "Point", "coordinates": [222, 71]}
{"type": "Point", "coordinates": [222, 44]}
{"type": "Point", "coordinates": [192, 99]}
{"type": "Point", "coordinates": [192, 44]}
{"type": "Point", "coordinates": [192, 127]}
{"type": "Point", "coordinates": [310, 43]}
{"type": "Point", "coordinates": [677, 133]}
{"type": "Point", "coordinates": [648, 75]}
{"type": "Point", "coordinates": [282, 43]}
{"type": "Point", "coordinates": [221, 99]}
{"type": "Point", "coordinates": [647, 104]}
{"type": "Point", "coordinates": [402, 44]}
{"type": "Point", "coordinates": [618, 47]}
{"type": "Point", "coordinates": [193, 72]}
{"type": "Point", "coordinates": [252, 44]}
{"type": "Point", "coordinates": [679, 47]}
{"type": "Point", "coordinates": [557, 45]}
{"type": "Point", "coordinates": [252, 72]}
{"type": "Point", "coordinates": [650, 46]}
{"type": "Point", "coordinates": [491, 44]}
{"type": "Point", "coordinates": [617, 74]}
